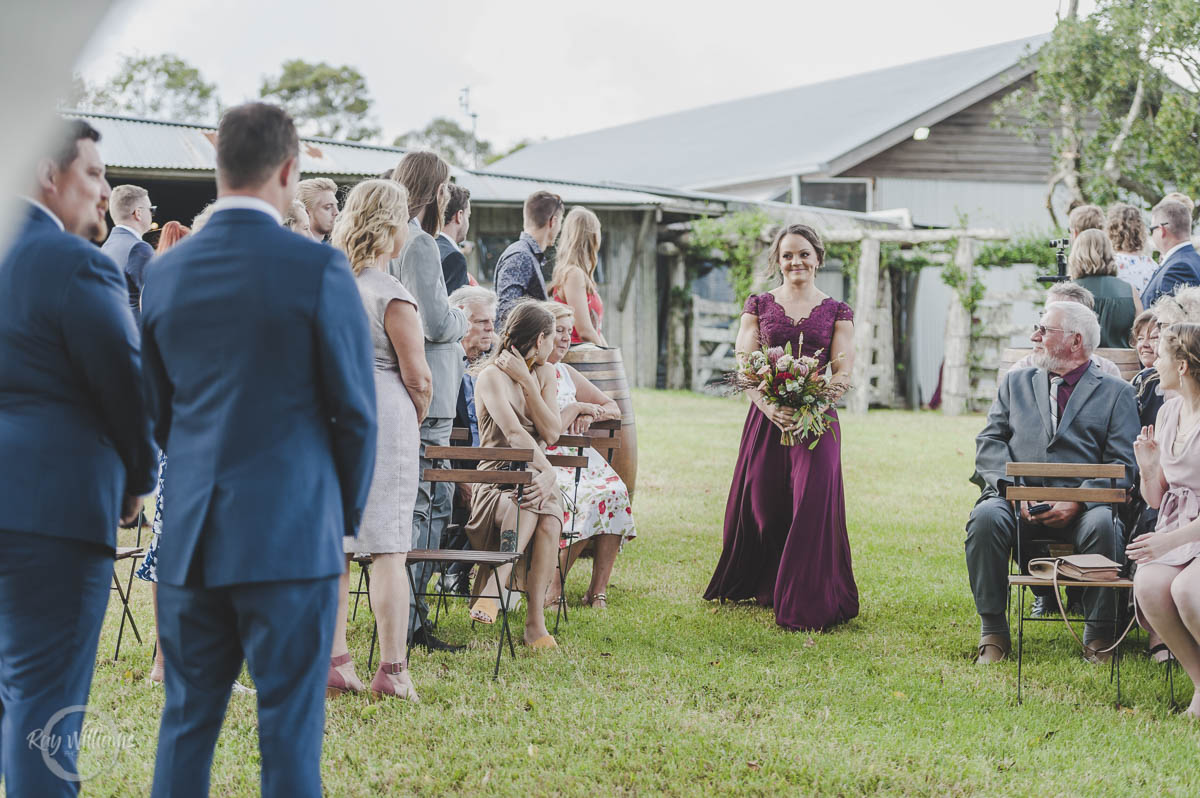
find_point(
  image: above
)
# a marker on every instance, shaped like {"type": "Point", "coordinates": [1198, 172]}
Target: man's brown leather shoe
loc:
{"type": "Point", "coordinates": [1092, 652]}
{"type": "Point", "coordinates": [992, 649]}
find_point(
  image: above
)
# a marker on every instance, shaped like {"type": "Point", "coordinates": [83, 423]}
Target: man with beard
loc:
{"type": "Point", "coordinates": [1062, 410]}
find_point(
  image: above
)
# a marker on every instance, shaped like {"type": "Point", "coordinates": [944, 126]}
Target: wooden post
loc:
{"type": "Point", "coordinates": [956, 369]}
{"type": "Point", "coordinates": [859, 399]}
{"type": "Point", "coordinates": [677, 367]}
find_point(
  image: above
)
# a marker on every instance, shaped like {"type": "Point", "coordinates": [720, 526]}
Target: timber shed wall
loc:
{"type": "Point", "coordinates": [965, 146]}
{"type": "Point", "coordinates": [634, 329]}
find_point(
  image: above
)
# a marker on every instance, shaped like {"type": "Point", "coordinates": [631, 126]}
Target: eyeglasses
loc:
{"type": "Point", "coordinates": [152, 209]}
{"type": "Point", "coordinates": [1041, 329]}
{"type": "Point", "coordinates": [1154, 227]}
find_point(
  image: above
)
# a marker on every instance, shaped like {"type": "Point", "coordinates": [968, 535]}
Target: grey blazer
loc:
{"type": "Point", "coordinates": [1098, 425]}
{"type": "Point", "coordinates": [419, 268]}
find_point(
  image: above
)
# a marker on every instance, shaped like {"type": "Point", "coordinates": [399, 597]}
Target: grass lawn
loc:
{"type": "Point", "coordinates": [664, 693]}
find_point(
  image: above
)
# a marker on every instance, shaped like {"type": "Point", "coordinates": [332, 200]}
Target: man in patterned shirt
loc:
{"type": "Point", "coordinates": [519, 270]}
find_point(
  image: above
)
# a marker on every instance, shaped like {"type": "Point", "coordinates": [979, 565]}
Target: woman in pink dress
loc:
{"type": "Point", "coordinates": [573, 282]}
{"type": "Point", "coordinates": [1167, 583]}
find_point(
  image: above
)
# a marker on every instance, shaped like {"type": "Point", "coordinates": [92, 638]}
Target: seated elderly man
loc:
{"type": "Point", "coordinates": [1063, 410]}
{"type": "Point", "coordinates": [1072, 292]}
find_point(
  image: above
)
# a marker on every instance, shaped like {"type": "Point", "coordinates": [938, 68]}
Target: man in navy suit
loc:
{"type": "Point", "coordinates": [132, 213]}
{"type": "Point", "coordinates": [260, 378]}
{"type": "Point", "coordinates": [456, 222]}
{"type": "Point", "coordinates": [77, 455]}
{"type": "Point", "coordinates": [1171, 232]}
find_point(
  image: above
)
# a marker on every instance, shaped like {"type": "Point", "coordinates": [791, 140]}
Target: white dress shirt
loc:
{"type": "Point", "coordinates": [242, 202]}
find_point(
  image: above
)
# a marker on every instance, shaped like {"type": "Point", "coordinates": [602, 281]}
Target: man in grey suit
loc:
{"type": "Point", "coordinates": [132, 215]}
{"type": "Point", "coordinates": [1088, 417]}
{"type": "Point", "coordinates": [419, 268]}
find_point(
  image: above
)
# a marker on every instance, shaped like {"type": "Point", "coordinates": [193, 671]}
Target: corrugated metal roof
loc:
{"type": "Point", "coordinates": [794, 131]}
{"type": "Point", "coordinates": [151, 146]}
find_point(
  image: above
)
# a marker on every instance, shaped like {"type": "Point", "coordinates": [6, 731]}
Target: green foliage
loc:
{"type": "Point", "coordinates": [325, 101]}
{"type": "Point", "coordinates": [156, 86]}
{"type": "Point", "coordinates": [734, 239]}
{"type": "Point", "coordinates": [1086, 86]}
{"type": "Point", "coordinates": [450, 140]}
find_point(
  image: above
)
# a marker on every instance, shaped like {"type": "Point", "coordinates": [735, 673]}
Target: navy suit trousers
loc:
{"type": "Point", "coordinates": [53, 593]}
{"type": "Point", "coordinates": [284, 632]}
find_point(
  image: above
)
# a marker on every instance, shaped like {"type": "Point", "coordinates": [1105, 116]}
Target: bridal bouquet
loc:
{"type": "Point", "coordinates": [792, 382]}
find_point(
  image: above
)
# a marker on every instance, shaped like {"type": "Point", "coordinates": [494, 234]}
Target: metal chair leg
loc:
{"type": "Point", "coordinates": [362, 572]}
{"type": "Point", "coordinates": [1020, 639]}
{"type": "Point", "coordinates": [125, 613]}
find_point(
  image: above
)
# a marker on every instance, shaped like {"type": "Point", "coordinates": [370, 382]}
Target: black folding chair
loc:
{"type": "Point", "coordinates": [131, 553]}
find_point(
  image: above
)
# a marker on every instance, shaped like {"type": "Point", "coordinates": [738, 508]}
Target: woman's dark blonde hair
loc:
{"type": "Point", "coordinates": [425, 175]}
{"type": "Point", "coordinates": [1182, 342]}
{"type": "Point", "coordinates": [1091, 254]}
{"type": "Point", "coordinates": [1126, 229]}
{"type": "Point", "coordinates": [527, 320]}
{"type": "Point", "coordinates": [1143, 320]}
{"type": "Point", "coordinates": [374, 215]}
{"type": "Point", "coordinates": [580, 248]}
{"type": "Point", "coordinates": [805, 232]}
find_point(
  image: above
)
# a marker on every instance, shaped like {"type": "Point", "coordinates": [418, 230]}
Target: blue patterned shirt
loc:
{"type": "Point", "coordinates": [518, 276]}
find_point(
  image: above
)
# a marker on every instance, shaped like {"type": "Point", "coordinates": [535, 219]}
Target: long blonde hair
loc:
{"type": "Point", "coordinates": [580, 248]}
{"type": "Point", "coordinates": [374, 217]}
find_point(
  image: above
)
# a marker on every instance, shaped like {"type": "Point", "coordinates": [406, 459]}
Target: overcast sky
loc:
{"type": "Point", "coordinates": [548, 69]}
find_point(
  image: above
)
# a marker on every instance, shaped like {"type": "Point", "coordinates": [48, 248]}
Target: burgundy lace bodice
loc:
{"type": "Point", "coordinates": [776, 327]}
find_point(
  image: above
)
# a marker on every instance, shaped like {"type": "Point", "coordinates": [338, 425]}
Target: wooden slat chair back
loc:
{"type": "Point", "coordinates": [1112, 495]}
{"type": "Point", "coordinates": [514, 472]}
{"type": "Point", "coordinates": [1125, 359]}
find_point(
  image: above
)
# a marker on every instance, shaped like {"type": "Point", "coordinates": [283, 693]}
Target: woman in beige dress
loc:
{"type": "Point", "coordinates": [515, 401]}
{"type": "Point", "coordinates": [371, 229]}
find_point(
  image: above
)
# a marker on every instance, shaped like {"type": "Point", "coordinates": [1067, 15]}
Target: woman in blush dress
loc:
{"type": "Point", "coordinates": [785, 541]}
{"type": "Point", "coordinates": [1167, 583]}
{"type": "Point", "coordinates": [371, 229]}
{"type": "Point", "coordinates": [574, 280]}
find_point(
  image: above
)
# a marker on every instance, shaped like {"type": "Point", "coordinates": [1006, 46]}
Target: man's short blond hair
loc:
{"type": "Point", "coordinates": [307, 190]}
{"type": "Point", "coordinates": [124, 201]}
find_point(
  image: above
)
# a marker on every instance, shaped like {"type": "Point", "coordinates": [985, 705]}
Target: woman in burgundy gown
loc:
{"type": "Point", "coordinates": [785, 521]}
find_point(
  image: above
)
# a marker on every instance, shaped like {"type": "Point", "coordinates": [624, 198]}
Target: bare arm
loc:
{"type": "Point", "coordinates": [575, 292]}
{"type": "Point", "coordinates": [490, 394]}
{"type": "Point", "coordinates": [541, 393]}
{"type": "Point", "coordinates": [588, 393]}
{"type": "Point", "coordinates": [1137, 301]}
{"type": "Point", "coordinates": [402, 323]}
{"type": "Point", "coordinates": [748, 341]}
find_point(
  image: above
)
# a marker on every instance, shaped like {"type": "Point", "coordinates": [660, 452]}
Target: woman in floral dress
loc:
{"type": "Point", "coordinates": [600, 513]}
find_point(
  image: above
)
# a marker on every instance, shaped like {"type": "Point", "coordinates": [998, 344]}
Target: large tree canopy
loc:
{"type": "Point", "coordinates": [1119, 93]}
{"type": "Point", "coordinates": [156, 86]}
{"type": "Point", "coordinates": [326, 101]}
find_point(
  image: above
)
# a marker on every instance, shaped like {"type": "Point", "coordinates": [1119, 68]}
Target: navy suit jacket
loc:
{"type": "Point", "coordinates": [1182, 268]}
{"type": "Point", "coordinates": [74, 432]}
{"type": "Point", "coordinates": [454, 265]}
{"type": "Point", "coordinates": [131, 254]}
{"type": "Point", "coordinates": [260, 377]}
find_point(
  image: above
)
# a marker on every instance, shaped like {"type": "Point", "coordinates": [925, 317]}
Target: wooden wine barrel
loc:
{"type": "Point", "coordinates": [606, 370]}
{"type": "Point", "coordinates": [1126, 360]}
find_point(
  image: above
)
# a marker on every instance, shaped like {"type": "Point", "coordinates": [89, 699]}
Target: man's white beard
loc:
{"type": "Point", "coordinates": [1048, 362]}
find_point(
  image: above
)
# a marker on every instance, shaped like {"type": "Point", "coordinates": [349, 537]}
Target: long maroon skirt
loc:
{"type": "Point", "coordinates": [785, 530]}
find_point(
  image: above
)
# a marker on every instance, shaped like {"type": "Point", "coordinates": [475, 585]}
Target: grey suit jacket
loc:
{"type": "Point", "coordinates": [1098, 425]}
{"type": "Point", "coordinates": [131, 254]}
{"type": "Point", "coordinates": [419, 268]}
